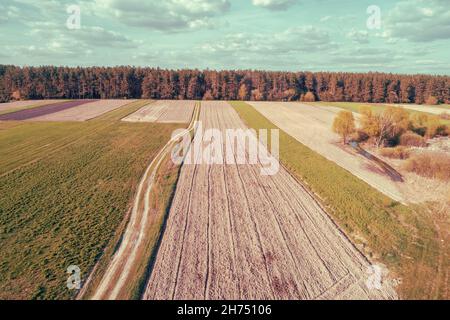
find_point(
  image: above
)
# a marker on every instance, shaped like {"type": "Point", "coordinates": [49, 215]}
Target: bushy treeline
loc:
{"type": "Point", "coordinates": [135, 82]}
{"type": "Point", "coordinates": [391, 127]}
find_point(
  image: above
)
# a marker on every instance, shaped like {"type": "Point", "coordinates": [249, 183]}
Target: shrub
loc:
{"type": "Point", "coordinates": [434, 127]}
{"type": "Point", "coordinates": [418, 123]}
{"type": "Point", "coordinates": [432, 100]}
{"type": "Point", "coordinates": [344, 125]}
{"type": "Point", "coordinates": [431, 165]}
{"type": "Point", "coordinates": [411, 139]}
{"type": "Point", "coordinates": [399, 152]}
{"type": "Point", "coordinates": [208, 95]}
{"type": "Point", "coordinates": [309, 97]}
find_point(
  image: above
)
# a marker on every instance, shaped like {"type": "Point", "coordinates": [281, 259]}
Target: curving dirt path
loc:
{"type": "Point", "coordinates": [134, 238]}
{"type": "Point", "coordinates": [235, 234]}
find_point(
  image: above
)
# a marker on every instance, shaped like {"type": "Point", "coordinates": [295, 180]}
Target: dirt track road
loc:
{"type": "Point", "coordinates": [134, 238]}
{"type": "Point", "coordinates": [235, 234]}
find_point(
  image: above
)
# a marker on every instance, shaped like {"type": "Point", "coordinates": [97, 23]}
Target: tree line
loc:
{"type": "Point", "coordinates": [48, 82]}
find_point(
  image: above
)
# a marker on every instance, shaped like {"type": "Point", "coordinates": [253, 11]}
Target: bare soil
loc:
{"type": "Point", "coordinates": [235, 234]}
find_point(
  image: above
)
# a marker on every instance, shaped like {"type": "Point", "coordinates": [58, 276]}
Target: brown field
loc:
{"type": "Point", "coordinates": [164, 111]}
{"type": "Point", "coordinates": [311, 125]}
{"type": "Point", "coordinates": [84, 112]}
{"type": "Point", "coordinates": [235, 234]}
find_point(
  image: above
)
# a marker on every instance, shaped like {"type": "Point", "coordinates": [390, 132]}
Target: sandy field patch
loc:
{"type": "Point", "coordinates": [85, 112]}
{"type": "Point", "coordinates": [311, 126]}
{"type": "Point", "coordinates": [29, 114]}
{"type": "Point", "coordinates": [164, 111]}
{"type": "Point", "coordinates": [235, 234]}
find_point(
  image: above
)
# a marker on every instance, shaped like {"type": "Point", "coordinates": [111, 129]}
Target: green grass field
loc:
{"type": "Point", "coordinates": [404, 238]}
{"type": "Point", "coordinates": [66, 188]}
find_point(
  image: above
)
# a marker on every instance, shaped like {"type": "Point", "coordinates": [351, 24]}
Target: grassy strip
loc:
{"type": "Point", "coordinates": [404, 238]}
{"type": "Point", "coordinates": [65, 208]}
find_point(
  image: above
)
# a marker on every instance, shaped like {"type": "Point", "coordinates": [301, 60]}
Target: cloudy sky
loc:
{"type": "Point", "coordinates": [410, 36]}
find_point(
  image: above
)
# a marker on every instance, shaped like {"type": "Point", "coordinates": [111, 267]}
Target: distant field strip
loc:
{"type": "Point", "coordinates": [22, 105]}
{"type": "Point", "coordinates": [85, 111]}
{"type": "Point", "coordinates": [429, 109]}
{"type": "Point", "coordinates": [164, 111]}
{"type": "Point", "coordinates": [235, 234]}
{"type": "Point", "coordinates": [312, 127]}
{"type": "Point", "coordinates": [42, 111]}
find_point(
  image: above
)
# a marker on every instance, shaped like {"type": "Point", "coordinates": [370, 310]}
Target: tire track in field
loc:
{"type": "Point", "coordinates": [126, 257]}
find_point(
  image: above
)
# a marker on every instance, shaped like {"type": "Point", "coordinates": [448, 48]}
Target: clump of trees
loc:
{"type": "Point", "coordinates": [391, 127]}
{"type": "Point", "coordinates": [49, 82]}
{"type": "Point", "coordinates": [384, 127]}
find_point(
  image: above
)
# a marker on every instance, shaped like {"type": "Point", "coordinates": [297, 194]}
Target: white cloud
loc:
{"type": "Point", "coordinates": [167, 15]}
{"type": "Point", "coordinates": [419, 21]}
{"type": "Point", "coordinates": [292, 40]}
{"type": "Point", "coordinates": [325, 18]}
{"type": "Point", "coordinates": [274, 4]}
{"type": "Point", "coordinates": [358, 36]}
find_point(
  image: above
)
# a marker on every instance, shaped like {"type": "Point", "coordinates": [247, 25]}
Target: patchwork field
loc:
{"type": "Point", "coordinates": [312, 127]}
{"type": "Point", "coordinates": [21, 105]}
{"type": "Point", "coordinates": [66, 190]}
{"type": "Point", "coordinates": [235, 234]}
{"type": "Point", "coordinates": [42, 111]}
{"type": "Point", "coordinates": [97, 194]}
{"type": "Point", "coordinates": [85, 111]}
{"type": "Point", "coordinates": [412, 241]}
{"type": "Point", "coordinates": [165, 111]}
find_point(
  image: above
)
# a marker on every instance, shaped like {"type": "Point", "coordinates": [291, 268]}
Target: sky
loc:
{"type": "Point", "coordinates": [403, 36]}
